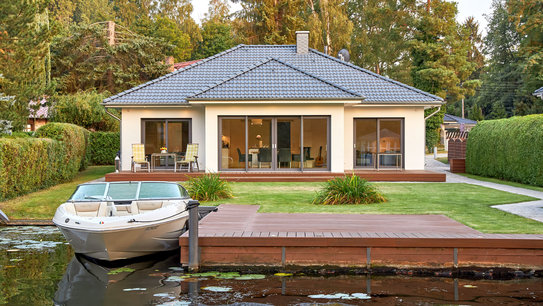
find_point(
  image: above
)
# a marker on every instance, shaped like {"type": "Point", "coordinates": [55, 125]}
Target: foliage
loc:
{"type": "Point", "coordinates": [208, 187]}
{"type": "Point", "coordinates": [83, 109]}
{"type": "Point", "coordinates": [28, 164]}
{"type": "Point", "coordinates": [329, 24]}
{"type": "Point", "coordinates": [507, 149]}
{"type": "Point", "coordinates": [171, 33]}
{"type": "Point", "coordinates": [272, 22]}
{"type": "Point", "coordinates": [379, 41]}
{"type": "Point", "coordinates": [433, 125]}
{"type": "Point", "coordinates": [348, 190]}
{"type": "Point", "coordinates": [216, 37]}
{"type": "Point", "coordinates": [24, 57]}
{"type": "Point", "coordinates": [103, 147]}
{"type": "Point", "coordinates": [85, 60]}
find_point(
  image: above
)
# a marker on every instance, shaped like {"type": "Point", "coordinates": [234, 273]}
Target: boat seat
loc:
{"type": "Point", "coordinates": [127, 209]}
{"type": "Point", "coordinates": [145, 206]}
{"type": "Point", "coordinates": [90, 209]}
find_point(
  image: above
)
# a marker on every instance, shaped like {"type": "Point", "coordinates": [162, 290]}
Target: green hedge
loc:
{"type": "Point", "coordinates": [29, 164]}
{"type": "Point", "coordinates": [104, 147]}
{"type": "Point", "coordinates": [510, 149]}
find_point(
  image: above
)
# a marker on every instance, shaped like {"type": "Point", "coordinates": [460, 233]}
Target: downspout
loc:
{"type": "Point", "coordinates": [437, 111]}
{"type": "Point", "coordinates": [120, 136]}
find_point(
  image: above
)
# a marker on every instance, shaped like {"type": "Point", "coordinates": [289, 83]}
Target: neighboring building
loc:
{"type": "Point", "coordinates": [37, 118]}
{"type": "Point", "coordinates": [181, 65]}
{"type": "Point", "coordinates": [539, 93]}
{"type": "Point", "coordinates": [284, 107]}
{"type": "Point", "coordinates": [453, 124]}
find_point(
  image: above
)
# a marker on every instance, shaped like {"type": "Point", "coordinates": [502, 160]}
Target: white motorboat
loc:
{"type": "Point", "coordinates": [121, 220]}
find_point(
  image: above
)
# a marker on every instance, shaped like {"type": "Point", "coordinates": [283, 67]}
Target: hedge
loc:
{"type": "Point", "coordinates": [509, 149]}
{"type": "Point", "coordinates": [104, 147]}
{"type": "Point", "coordinates": [29, 164]}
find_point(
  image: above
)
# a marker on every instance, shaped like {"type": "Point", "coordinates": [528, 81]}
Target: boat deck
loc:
{"type": "Point", "coordinates": [239, 235]}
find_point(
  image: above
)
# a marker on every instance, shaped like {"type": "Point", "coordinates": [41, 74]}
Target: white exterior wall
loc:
{"type": "Point", "coordinates": [205, 129]}
{"type": "Point", "coordinates": [414, 131]}
{"type": "Point", "coordinates": [131, 128]}
{"type": "Point", "coordinates": [335, 112]}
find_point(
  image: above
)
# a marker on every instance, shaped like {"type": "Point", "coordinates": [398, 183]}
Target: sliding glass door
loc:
{"type": "Point", "coordinates": [274, 143]}
{"type": "Point", "coordinates": [378, 143]}
{"type": "Point", "coordinates": [173, 134]}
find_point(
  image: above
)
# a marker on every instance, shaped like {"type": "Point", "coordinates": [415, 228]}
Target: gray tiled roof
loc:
{"type": "Point", "coordinates": [327, 75]}
{"type": "Point", "coordinates": [451, 118]}
{"type": "Point", "coordinates": [274, 79]}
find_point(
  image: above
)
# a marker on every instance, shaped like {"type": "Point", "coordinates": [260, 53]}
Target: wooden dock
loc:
{"type": "Point", "coordinates": [291, 176]}
{"type": "Point", "coordinates": [238, 235]}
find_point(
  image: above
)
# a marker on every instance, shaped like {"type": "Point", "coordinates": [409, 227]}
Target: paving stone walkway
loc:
{"type": "Point", "coordinates": [532, 209]}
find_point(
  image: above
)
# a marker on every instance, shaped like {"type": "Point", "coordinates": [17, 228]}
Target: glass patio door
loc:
{"type": "Point", "coordinates": [378, 143]}
{"type": "Point", "coordinates": [260, 142]}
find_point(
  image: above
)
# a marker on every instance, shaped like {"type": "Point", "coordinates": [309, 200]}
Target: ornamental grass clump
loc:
{"type": "Point", "coordinates": [348, 190]}
{"type": "Point", "coordinates": [209, 187]}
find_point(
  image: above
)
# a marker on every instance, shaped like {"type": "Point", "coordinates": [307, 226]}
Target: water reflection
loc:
{"type": "Point", "coordinates": [38, 268]}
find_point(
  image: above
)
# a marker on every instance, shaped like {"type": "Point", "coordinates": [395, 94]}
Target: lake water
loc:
{"type": "Point", "coordinates": [37, 267]}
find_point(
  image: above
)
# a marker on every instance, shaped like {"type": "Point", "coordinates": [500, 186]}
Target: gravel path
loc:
{"type": "Point", "coordinates": [532, 209]}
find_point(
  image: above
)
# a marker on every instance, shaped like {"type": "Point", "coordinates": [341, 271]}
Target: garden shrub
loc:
{"type": "Point", "coordinates": [208, 187]}
{"type": "Point", "coordinates": [509, 149]}
{"type": "Point", "coordinates": [104, 147]}
{"type": "Point", "coordinates": [348, 190]}
{"type": "Point", "coordinates": [29, 164]}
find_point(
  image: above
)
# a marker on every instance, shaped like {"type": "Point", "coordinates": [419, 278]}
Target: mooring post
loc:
{"type": "Point", "coordinates": [194, 260]}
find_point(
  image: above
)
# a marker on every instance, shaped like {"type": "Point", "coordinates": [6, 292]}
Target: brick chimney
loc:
{"type": "Point", "coordinates": [111, 32]}
{"type": "Point", "coordinates": [169, 61]}
{"type": "Point", "coordinates": [302, 42]}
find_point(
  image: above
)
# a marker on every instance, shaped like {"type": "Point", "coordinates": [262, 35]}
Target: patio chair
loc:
{"type": "Point", "coordinates": [191, 157]}
{"type": "Point", "coordinates": [138, 157]}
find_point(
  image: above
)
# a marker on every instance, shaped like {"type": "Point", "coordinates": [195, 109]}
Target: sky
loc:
{"type": "Point", "coordinates": [466, 8]}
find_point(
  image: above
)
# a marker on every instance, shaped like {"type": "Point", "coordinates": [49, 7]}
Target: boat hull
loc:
{"type": "Point", "coordinates": [116, 244]}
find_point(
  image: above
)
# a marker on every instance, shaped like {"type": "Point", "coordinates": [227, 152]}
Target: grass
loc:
{"type": "Point", "coordinates": [444, 160]}
{"type": "Point", "coordinates": [43, 203]}
{"type": "Point", "coordinates": [498, 181]}
{"type": "Point", "coordinates": [468, 204]}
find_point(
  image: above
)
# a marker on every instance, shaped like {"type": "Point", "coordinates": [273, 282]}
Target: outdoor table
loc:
{"type": "Point", "coordinates": [166, 155]}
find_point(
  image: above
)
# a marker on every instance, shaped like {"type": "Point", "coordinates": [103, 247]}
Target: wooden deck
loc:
{"type": "Point", "coordinates": [307, 176]}
{"type": "Point", "coordinates": [239, 235]}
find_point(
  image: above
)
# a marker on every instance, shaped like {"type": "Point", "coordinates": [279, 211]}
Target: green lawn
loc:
{"type": "Point", "coordinates": [444, 160]}
{"type": "Point", "coordinates": [468, 204]}
{"type": "Point", "coordinates": [498, 181]}
{"type": "Point", "coordinates": [43, 203]}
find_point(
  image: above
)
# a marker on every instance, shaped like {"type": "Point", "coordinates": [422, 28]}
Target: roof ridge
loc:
{"type": "Point", "coordinates": [205, 60]}
{"type": "Point", "coordinates": [262, 63]}
{"type": "Point", "coordinates": [376, 75]}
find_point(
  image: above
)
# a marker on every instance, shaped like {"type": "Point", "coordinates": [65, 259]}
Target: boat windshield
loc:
{"type": "Point", "coordinates": [158, 190]}
{"type": "Point", "coordinates": [129, 191]}
{"type": "Point", "coordinates": [90, 192]}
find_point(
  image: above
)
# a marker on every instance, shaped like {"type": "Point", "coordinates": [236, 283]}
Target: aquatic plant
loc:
{"type": "Point", "coordinates": [348, 190]}
{"type": "Point", "coordinates": [120, 270]}
{"type": "Point", "coordinates": [209, 187]}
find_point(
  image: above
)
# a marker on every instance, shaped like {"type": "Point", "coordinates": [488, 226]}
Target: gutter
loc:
{"type": "Point", "coordinates": [112, 115]}
{"type": "Point", "coordinates": [437, 111]}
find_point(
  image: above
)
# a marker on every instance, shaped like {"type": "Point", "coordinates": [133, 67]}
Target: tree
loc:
{"type": "Point", "coordinates": [503, 75]}
{"type": "Point", "coordinates": [23, 55]}
{"type": "Point", "coordinates": [440, 59]}
{"type": "Point", "coordinates": [170, 32]}
{"type": "Point", "coordinates": [329, 25]}
{"type": "Point", "coordinates": [86, 61]}
{"type": "Point", "coordinates": [382, 29]}
{"type": "Point", "coordinates": [216, 37]}
{"type": "Point", "coordinates": [273, 22]}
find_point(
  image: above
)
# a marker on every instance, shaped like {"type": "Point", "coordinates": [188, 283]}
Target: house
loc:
{"type": "Point", "coordinates": [539, 93]}
{"type": "Point", "coordinates": [37, 117]}
{"type": "Point", "coordinates": [454, 124]}
{"type": "Point", "coordinates": [277, 108]}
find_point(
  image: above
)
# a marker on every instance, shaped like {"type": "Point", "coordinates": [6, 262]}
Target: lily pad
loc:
{"type": "Point", "coordinates": [164, 295]}
{"type": "Point", "coordinates": [175, 278]}
{"type": "Point", "coordinates": [135, 289]}
{"type": "Point", "coordinates": [120, 270]}
{"type": "Point", "coordinates": [251, 277]}
{"type": "Point", "coordinates": [205, 274]}
{"type": "Point", "coordinates": [217, 289]}
{"type": "Point", "coordinates": [228, 275]}
{"type": "Point", "coordinates": [176, 268]}
{"type": "Point", "coordinates": [175, 303]}
{"type": "Point", "coordinates": [283, 274]}
{"type": "Point", "coordinates": [470, 286]}
{"type": "Point", "coordinates": [342, 296]}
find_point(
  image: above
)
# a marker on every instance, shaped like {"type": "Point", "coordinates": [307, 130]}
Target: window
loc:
{"type": "Point", "coordinates": [378, 143]}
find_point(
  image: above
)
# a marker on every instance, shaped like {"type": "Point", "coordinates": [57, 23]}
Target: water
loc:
{"type": "Point", "coordinates": [37, 267]}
